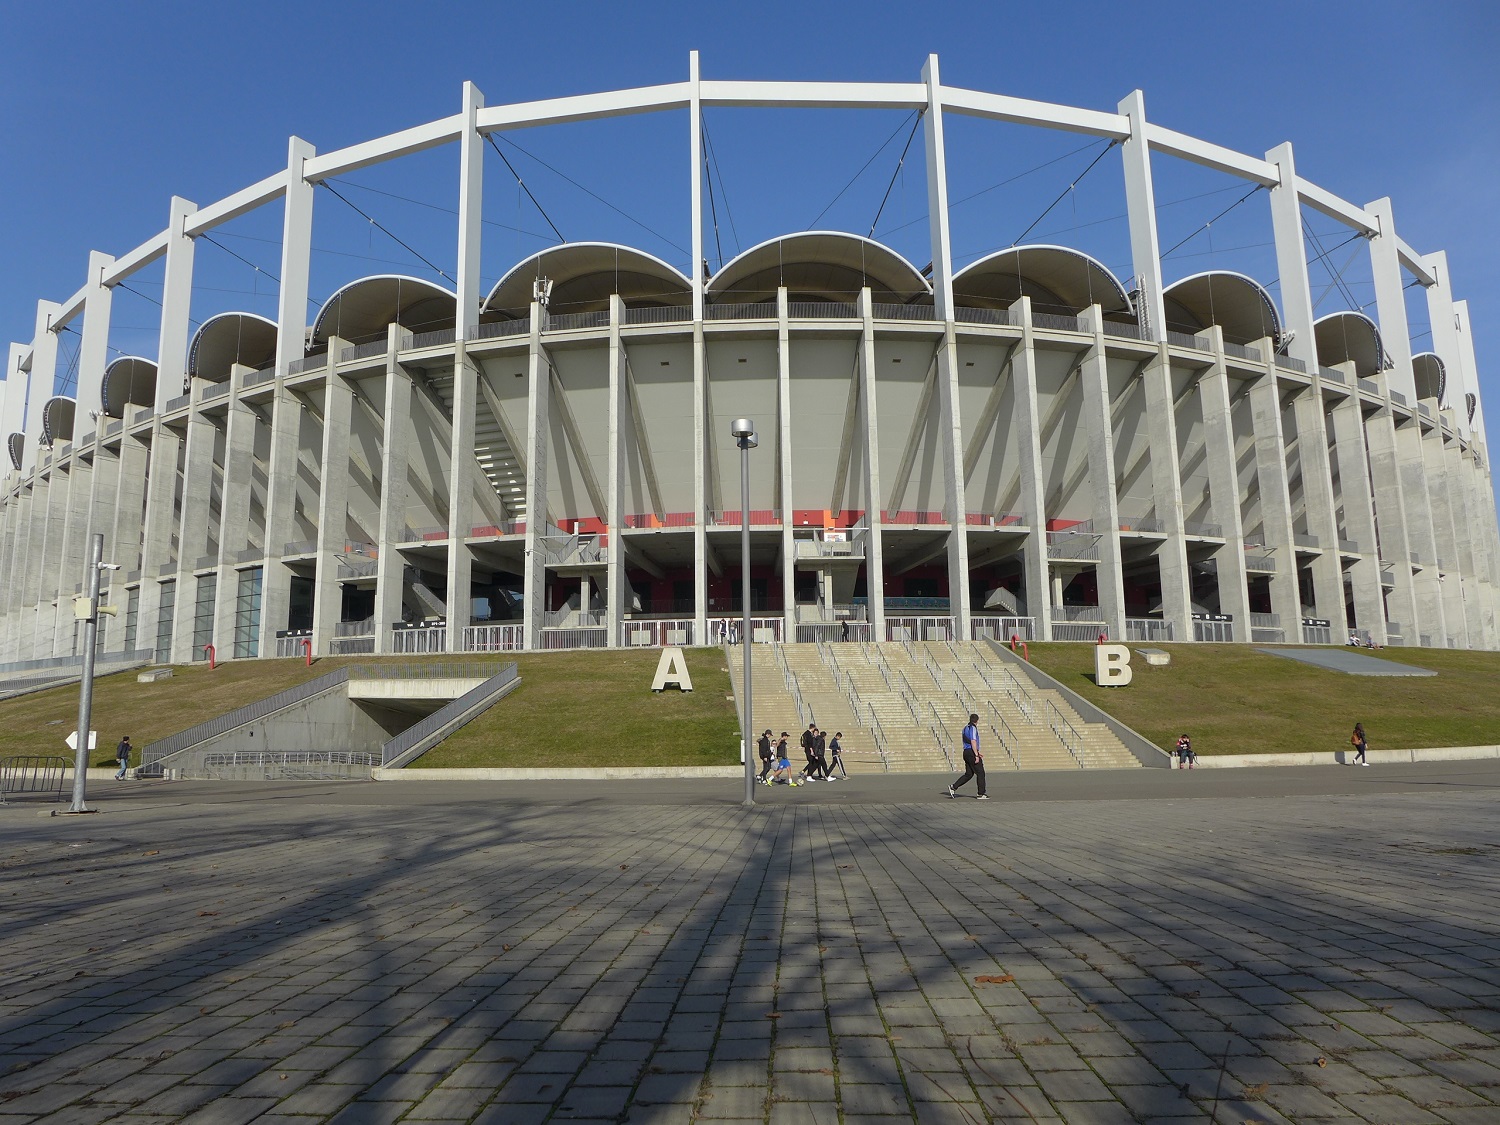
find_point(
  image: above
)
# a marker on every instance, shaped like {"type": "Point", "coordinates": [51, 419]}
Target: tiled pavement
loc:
{"type": "Point", "coordinates": [642, 953]}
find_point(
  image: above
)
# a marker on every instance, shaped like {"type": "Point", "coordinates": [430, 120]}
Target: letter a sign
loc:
{"type": "Point", "coordinates": [671, 671]}
{"type": "Point", "coordinates": [1112, 666]}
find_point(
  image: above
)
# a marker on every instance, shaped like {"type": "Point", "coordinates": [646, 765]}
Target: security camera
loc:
{"type": "Point", "coordinates": [109, 566]}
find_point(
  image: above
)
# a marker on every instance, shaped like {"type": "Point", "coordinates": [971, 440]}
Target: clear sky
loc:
{"type": "Point", "coordinates": [109, 109]}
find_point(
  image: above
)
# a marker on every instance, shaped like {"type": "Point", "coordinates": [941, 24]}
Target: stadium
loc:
{"type": "Point", "coordinates": [1027, 446]}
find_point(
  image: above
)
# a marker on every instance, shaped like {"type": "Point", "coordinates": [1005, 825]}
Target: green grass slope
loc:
{"type": "Point", "coordinates": [597, 709]}
{"type": "Point", "coordinates": [1235, 700]}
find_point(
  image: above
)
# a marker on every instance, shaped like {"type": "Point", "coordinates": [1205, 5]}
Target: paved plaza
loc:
{"type": "Point", "coordinates": [1230, 946]}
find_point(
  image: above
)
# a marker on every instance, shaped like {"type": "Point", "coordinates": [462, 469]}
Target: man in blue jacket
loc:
{"type": "Point", "coordinates": [973, 760]}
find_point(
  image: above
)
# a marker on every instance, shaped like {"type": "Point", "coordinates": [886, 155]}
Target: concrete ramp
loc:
{"type": "Point", "coordinates": [1348, 661]}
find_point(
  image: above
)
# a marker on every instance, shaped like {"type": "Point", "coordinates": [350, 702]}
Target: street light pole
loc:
{"type": "Point", "coordinates": [86, 686]}
{"type": "Point", "coordinates": [744, 435]}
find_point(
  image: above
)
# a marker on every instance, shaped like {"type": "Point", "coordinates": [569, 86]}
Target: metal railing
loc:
{"type": "Point", "coordinates": [499, 328]}
{"type": "Point", "coordinates": [1147, 629]}
{"type": "Point", "coordinates": [156, 751]}
{"type": "Point", "coordinates": [286, 765]}
{"type": "Point", "coordinates": [1398, 398]}
{"type": "Point", "coordinates": [762, 629]}
{"type": "Point", "coordinates": [1301, 539]}
{"type": "Point", "coordinates": [1330, 375]}
{"type": "Point", "coordinates": [828, 549]}
{"type": "Point", "coordinates": [919, 629]}
{"type": "Point", "coordinates": [990, 519]}
{"type": "Point", "coordinates": [821, 310]}
{"type": "Point", "coordinates": [913, 516]}
{"type": "Point", "coordinates": [418, 738]}
{"type": "Point", "coordinates": [1317, 634]}
{"type": "Point", "coordinates": [1074, 631]}
{"type": "Point", "coordinates": [758, 310]}
{"type": "Point", "coordinates": [1370, 386]}
{"type": "Point", "coordinates": [1187, 340]}
{"type": "Point", "coordinates": [256, 378]}
{"type": "Point", "coordinates": [1147, 524]}
{"type": "Point", "coordinates": [428, 638]}
{"type": "Point", "coordinates": [365, 628]}
{"type": "Point", "coordinates": [299, 547]}
{"type": "Point", "coordinates": [1056, 323]}
{"type": "Point", "coordinates": [1349, 546]}
{"type": "Point", "coordinates": [177, 403]}
{"type": "Point", "coordinates": [829, 632]}
{"type": "Point", "coordinates": [494, 638]}
{"type": "Point", "coordinates": [1240, 351]}
{"type": "Point", "coordinates": [659, 314]}
{"type": "Point", "coordinates": [1291, 363]}
{"type": "Point", "coordinates": [561, 638]}
{"type": "Point", "coordinates": [1003, 317]}
{"type": "Point", "coordinates": [215, 390]}
{"type": "Point", "coordinates": [759, 517]}
{"type": "Point", "coordinates": [1203, 530]}
{"type": "Point", "coordinates": [352, 646]}
{"type": "Point", "coordinates": [1063, 727]}
{"type": "Point", "coordinates": [566, 322]}
{"type": "Point", "coordinates": [1091, 613]}
{"type": "Point", "coordinates": [1213, 629]}
{"type": "Point", "coordinates": [372, 348]}
{"type": "Point", "coordinates": [1125, 331]}
{"type": "Point", "coordinates": [306, 363]}
{"type": "Point", "coordinates": [1001, 628]}
{"type": "Point", "coordinates": [34, 773]}
{"type": "Point", "coordinates": [1260, 564]}
{"type": "Point", "coordinates": [667, 519]}
{"type": "Point", "coordinates": [904, 312]}
{"type": "Point", "coordinates": [657, 632]}
{"type": "Point", "coordinates": [1083, 546]}
{"type": "Point", "coordinates": [439, 337]}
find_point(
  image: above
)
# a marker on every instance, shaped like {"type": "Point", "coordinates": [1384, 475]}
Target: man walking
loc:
{"type": "Point", "coordinates": [973, 760]}
{"type": "Point", "coordinates": [810, 750]}
{"type": "Point", "coordinates": [122, 756]}
{"type": "Point", "coordinates": [764, 749]}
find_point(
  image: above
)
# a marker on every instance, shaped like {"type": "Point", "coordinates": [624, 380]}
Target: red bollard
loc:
{"type": "Point", "coordinates": [1025, 653]}
{"type": "Point", "coordinates": [211, 663]}
{"type": "Point", "coordinates": [307, 647]}
{"type": "Point", "coordinates": [1103, 638]}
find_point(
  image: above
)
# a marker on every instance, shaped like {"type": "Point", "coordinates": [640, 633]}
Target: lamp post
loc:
{"type": "Point", "coordinates": [86, 684]}
{"type": "Point", "coordinates": [744, 436]}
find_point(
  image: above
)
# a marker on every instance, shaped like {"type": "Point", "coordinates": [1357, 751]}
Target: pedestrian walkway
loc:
{"type": "Point", "coordinates": [1165, 949]}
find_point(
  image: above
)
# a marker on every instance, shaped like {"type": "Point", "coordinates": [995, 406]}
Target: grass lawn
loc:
{"type": "Point", "coordinates": [597, 709]}
{"type": "Point", "coordinates": [1234, 700]}
{"type": "Point", "coordinates": [38, 723]}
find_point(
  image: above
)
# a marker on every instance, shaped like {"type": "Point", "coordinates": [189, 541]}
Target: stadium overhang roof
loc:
{"type": "Point", "coordinates": [820, 266]}
{"type": "Point", "coordinates": [1238, 304]}
{"type": "Point", "coordinates": [1057, 279]}
{"type": "Point", "coordinates": [362, 310]}
{"type": "Point", "coordinates": [1346, 336]}
{"type": "Point", "coordinates": [128, 381]}
{"type": "Point", "coordinates": [1431, 376]}
{"type": "Point", "coordinates": [584, 275]}
{"type": "Point", "coordinates": [231, 338]}
{"type": "Point", "coordinates": [57, 419]}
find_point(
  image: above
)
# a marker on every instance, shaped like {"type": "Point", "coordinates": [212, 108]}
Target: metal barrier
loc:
{"type": "Point", "coordinates": [416, 740]}
{"type": "Point", "coordinates": [429, 639]}
{"type": "Point", "coordinates": [1147, 629]}
{"type": "Point", "coordinates": [989, 627]}
{"type": "Point", "coordinates": [286, 765]}
{"type": "Point", "coordinates": [919, 628]}
{"type": "Point", "coordinates": [34, 773]}
{"type": "Point", "coordinates": [828, 632]}
{"type": "Point", "coordinates": [352, 646]}
{"type": "Point", "coordinates": [494, 638]}
{"type": "Point", "coordinates": [587, 637]}
{"type": "Point", "coordinates": [1063, 631]}
{"type": "Point", "coordinates": [657, 633]}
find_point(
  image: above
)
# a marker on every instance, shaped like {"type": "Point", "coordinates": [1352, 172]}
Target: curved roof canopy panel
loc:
{"type": "Point", "coordinates": [820, 266]}
{"type": "Point", "coordinates": [230, 338]}
{"type": "Point", "coordinates": [585, 275]}
{"type": "Point", "coordinates": [362, 310]}
{"type": "Point", "coordinates": [128, 381]}
{"type": "Point", "coordinates": [1236, 303]}
{"type": "Point", "coordinates": [57, 419]}
{"type": "Point", "coordinates": [1058, 280]}
{"type": "Point", "coordinates": [1432, 376]}
{"type": "Point", "coordinates": [1345, 336]}
{"type": "Point", "coordinates": [14, 444]}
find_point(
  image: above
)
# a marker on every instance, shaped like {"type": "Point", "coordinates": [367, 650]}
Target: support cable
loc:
{"type": "Point", "coordinates": [432, 206]}
{"type": "Point", "coordinates": [896, 174]}
{"type": "Point", "coordinates": [713, 154]}
{"type": "Point", "coordinates": [713, 209]}
{"type": "Point", "coordinates": [873, 157]}
{"type": "Point", "coordinates": [1064, 194]}
{"type": "Point", "coordinates": [522, 183]}
{"type": "Point", "coordinates": [241, 257]}
{"type": "Point", "coordinates": [1211, 222]}
{"type": "Point", "coordinates": [1337, 275]}
{"type": "Point", "coordinates": [593, 195]}
{"type": "Point", "coordinates": [374, 223]}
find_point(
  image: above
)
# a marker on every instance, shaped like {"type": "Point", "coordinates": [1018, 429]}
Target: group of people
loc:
{"type": "Point", "coordinates": [1356, 641]}
{"type": "Point", "coordinates": [1187, 758]}
{"type": "Point", "coordinates": [824, 756]}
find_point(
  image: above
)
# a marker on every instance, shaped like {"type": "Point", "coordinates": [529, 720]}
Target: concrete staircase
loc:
{"type": "Point", "coordinates": [903, 705]}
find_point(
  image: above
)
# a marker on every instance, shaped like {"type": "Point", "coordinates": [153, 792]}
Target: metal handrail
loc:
{"type": "Point", "coordinates": [1072, 741]}
{"type": "Point", "coordinates": [408, 744]}
{"type": "Point", "coordinates": [157, 751]}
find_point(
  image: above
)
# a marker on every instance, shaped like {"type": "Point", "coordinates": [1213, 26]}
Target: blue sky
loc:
{"type": "Point", "coordinates": [109, 109]}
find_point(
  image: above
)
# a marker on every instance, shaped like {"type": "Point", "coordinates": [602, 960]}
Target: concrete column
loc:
{"type": "Point", "coordinates": [281, 498]}
{"type": "Point", "coordinates": [390, 567]}
{"type": "Point", "coordinates": [156, 541]}
{"type": "Point", "coordinates": [463, 476]}
{"type": "Point", "coordinates": [41, 382]}
{"type": "Point", "coordinates": [955, 496]}
{"type": "Point", "coordinates": [57, 583]}
{"type": "Point", "coordinates": [1390, 519]}
{"type": "Point", "coordinates": [93, 345]}
{"type": "Point", "coordinates": [538, 430]}
{"type": "Point", "coordinates": [874, 517]}
{"type": "Point", "coordinates": [1039, 596]}
{"type": "Point", "coordinates": [695, 196]}
{"type": "Point", "coordinates": [1318, 502]}
{"type": "Point", "coordinates": [234, 517]}
{"type": "Point", "coordinates": [103, 488]}
{"type": "Point", "coordinates": [1291, 258]}
{"type": "Point", "coordinates": [1440, 496]}
{"type": "Point", "coordinates": [333, 510]}
{"type": "Point", "coordinates": [1359, 506]}
{"type": "Point", "coordinates": [296, 258]}
{"type": "Point", "coordinates": [1275, 496]}
{"type": "Point", "coordinates": [1421, 528]}
{"type": "Point", "coordinates": [1140, 206]}
{"type": "Point", "coordinates": [784, 454]}
{"type": "Point", "coordinates": [614, 575]}
{"type": "Point", "coordinates": [1224, 488]}
{"type": "Point", "coordinates": [130, 500]}
{"type": "Point", "coordinates": [1098, 426]}
{"type": "Point", "coordinates": [176, 306]}
{"type": "Point", "coordinates": [33, 559]}
{"type": "Point", "coordinates": [1166, 495]}
{"type": "Point", "coordinates": [192, 539]}
{"type": "Point", "coordinates": [74, 568]}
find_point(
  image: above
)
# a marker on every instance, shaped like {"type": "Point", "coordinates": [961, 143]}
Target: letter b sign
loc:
{"type": "Point", "coordinates": [1112, 665]}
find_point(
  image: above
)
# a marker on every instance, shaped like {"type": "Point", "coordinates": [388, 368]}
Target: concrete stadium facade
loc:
{"type": "Point", "coordinates": [1021, 447]}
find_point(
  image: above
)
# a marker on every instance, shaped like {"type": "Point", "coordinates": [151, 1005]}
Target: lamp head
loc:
{"type": "Point", "coordinates": [742, 428]}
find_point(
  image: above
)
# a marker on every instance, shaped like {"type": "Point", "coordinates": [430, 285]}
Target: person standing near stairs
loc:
{"type": "Point", "coordinates": [763, 748]}
{"type": "Point", "coordinates": [973, 761]}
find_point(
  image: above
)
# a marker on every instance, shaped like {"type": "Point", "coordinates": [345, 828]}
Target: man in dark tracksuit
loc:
{"type": "Point", "coordinates": [810, 750]}
{"type": "Point", "coordinates": [973, 760]}
{"type": "Point", "coordinates": [763, 748]}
